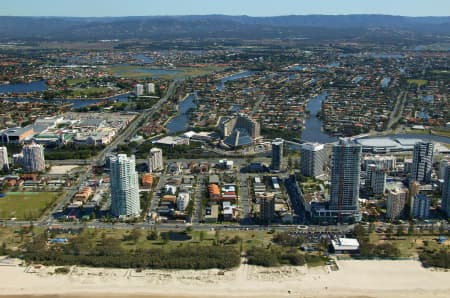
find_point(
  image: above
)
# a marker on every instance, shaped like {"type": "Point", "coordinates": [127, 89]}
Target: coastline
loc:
{"type": "Point", "coordinates": [354, 279]}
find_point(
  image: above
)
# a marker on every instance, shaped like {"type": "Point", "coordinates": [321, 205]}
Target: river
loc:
{"type": "Point", "coordinates": [233, 77]}
{"type": "Point", "coordinates": [312, 131]}
{"type": "Point", "coordinates": [21, 88]}
{"type": "Point", "coordinates": [180, 122]}
{"type": "Point", "coordinates": [76, 103]}
{"type": "Point", "coordinates": [145, 59]}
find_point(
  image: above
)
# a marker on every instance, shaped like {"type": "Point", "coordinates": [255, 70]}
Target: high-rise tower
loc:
{"type": "Point", "coordinates": [312, 159]}
{"type": "Point", "coordinates": [33, 159]}
{"type": "Point", "coordinates": [446, 191]}
{"type": "Point", "coordinates": [422, 162]}
{"type": "Point", "coordinates": [4, 165]}
{"type": "Point", "coordinates": [345, 175]}
{"type": "Point", "coordinates": [155, 161]}
{"type": "Point", "coordinates": [277, 154]}
{"type": "Point", "coordinates": [124, 186]}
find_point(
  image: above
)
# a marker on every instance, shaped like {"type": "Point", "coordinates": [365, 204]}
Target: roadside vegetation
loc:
{"type": "Point", "coordinates": [157, 250]}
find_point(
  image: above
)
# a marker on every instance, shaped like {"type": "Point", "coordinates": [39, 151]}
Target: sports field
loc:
{"type": "Point", "coordinates": [26, 205]}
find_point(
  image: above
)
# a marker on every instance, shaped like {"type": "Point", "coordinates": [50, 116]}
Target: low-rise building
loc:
{"type": "Point", "coordinates": [147, 180]}
{"type": "Point", "coordinates": [345, 246]}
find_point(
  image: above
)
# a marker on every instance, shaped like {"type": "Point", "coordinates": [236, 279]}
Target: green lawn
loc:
{"type": "Point", "coordinates": [73, 82]}
{"type": "Point", "coordinates": [417, 82]}
{"type": "Point", "coordinates": [249, 238]}
{"type": "Point", "coordinates": [130, 71]}
{"type": "Point", "coordinates": [90, 91]}
{"type": "Point", "coordinates": [26, 205]}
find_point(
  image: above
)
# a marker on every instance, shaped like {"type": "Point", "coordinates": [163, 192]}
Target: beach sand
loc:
{"type": "Point", "coordinates": [356, 279]}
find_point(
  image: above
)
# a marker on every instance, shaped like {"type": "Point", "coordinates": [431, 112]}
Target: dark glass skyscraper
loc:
{"type": "Point", "coordinates": [422, 162]}
{"type": "Point", "coordinates": [345, 172]}
{"type": "Point", "coordinates": [446, 191]}
{"type": "Point", "coordinates": [277, 154]}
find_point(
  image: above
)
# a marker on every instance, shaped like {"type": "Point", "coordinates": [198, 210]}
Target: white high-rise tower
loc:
{"type": "Point", "coordinates": [4, 165]}
{"type": "Point", "coordinates": [124, 186]}
{"type": "Point", "coordinates": [33, 159]}
{"type": "Point", "coordinates": [312, 159]}
{"type": "Point", "coordinates": [155, 161]}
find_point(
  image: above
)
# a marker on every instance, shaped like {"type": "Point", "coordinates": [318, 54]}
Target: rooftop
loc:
{"type": "Point", "coordinates": [345, 244]}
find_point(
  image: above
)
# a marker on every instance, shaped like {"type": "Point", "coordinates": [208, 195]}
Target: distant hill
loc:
{"type": "Point", "coordinates": [320, 27]}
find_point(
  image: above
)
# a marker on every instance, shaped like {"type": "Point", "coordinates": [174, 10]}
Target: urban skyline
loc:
{"type": "Point", "coordinates": [202, 136]}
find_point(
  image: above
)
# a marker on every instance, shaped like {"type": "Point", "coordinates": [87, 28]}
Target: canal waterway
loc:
{"type": "Point", "coordinates": [145, 59]}
{"type": "Point", "coordinates": [180, 122]}
{"type": "Point", "coordinates": [76, 103]}
{"type": "Point", "coordinates": [221, 85]}
{"type": "Point", "coordinates": [21, 88]}
{"type": "Point", "coordinates": [312, 131]}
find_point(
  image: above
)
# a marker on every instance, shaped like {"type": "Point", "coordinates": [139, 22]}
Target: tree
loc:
{"type": "Point", "coordinates": [389, 231]}
{"type": "Point", "coordinates": [371, 227]}
{"type": "Point", "coordinates": [134, 235]}
{"type": "Point", "coordinates": [202, 236]}
{"type": "Point", "coordinates": [359, 232]}
{"type": "Point", "coordinates": [165, 237]}
{"type": "Point", "coordinates": [153, 235]}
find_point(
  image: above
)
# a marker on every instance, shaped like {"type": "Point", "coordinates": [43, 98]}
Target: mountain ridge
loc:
{"type": "Point", "coordinates": [212, 26]}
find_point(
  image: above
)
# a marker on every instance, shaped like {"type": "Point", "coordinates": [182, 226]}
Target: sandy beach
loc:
{"type": "Point", "coordinates": [353, 279]}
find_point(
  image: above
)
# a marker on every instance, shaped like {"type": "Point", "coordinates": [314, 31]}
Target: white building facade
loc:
{"type": "Point", "coordinates": [33, 159]}
{"type": "Point", "coordinates": [124, 186]}
{"type": "Point", "coordinates": [155, 161]}
{"type": "Point", "coordinates": [4, 164]}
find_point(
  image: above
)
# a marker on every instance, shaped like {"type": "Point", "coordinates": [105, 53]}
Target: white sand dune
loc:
{"type": "Point", "coordinates": [354, 279]}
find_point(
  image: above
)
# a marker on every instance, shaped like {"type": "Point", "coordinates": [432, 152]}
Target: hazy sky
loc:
{"type": "Point", "coordinates": [228, 7]}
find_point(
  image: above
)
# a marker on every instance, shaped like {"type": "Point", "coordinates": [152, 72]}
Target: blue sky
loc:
{"type": "Point", "coordinates": [99, 8]}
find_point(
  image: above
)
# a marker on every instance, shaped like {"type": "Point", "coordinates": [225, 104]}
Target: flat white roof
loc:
{"type": "Point", "coordinates": [345, 244]}
{"type": "Point", "coordinates": [312, 146]}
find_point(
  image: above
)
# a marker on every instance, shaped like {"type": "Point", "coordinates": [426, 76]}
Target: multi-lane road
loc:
{"type": "Point", "coordinates": [134, 126]}
{"type": "Point", "coordinates": [127, 133]}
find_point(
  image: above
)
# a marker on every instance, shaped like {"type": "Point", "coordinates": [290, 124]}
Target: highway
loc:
{"type": "Point", "coordinates": [396, 113]}
{"type": "Point", "coordinates": [127, 133]}
{"type": "Point", "coordinates": [173, 226]}
{"type": "Point", "coordinates": [131, 130]}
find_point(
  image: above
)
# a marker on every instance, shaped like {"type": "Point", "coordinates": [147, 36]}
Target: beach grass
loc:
{"type": "Point", "coordinates": [26, 205]}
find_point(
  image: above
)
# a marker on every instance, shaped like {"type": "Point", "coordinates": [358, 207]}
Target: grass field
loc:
{"type": "Point", "coordinates": [436, 131]}
{"type": "Point", "coordinates": [130, 71]}
{"type": "Point", "coordinates": [249, 238]}
{"type": "Point", "coordinates": [26, 205]}
{"type": "Point", "coordinates": [90, 91]}
{"type": "Point", "coordinates": [73, 82]}
{"type": "Point", "coordinates": [417, 82]}
{"type": "Point", "coordinates": [409, 245]}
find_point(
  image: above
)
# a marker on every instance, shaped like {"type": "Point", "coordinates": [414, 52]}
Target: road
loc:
{"type": "Point", "coordinates": [245, 198]}
{"type": "Point", "coordinates": [127, 133]}
{"type": "Point", "coordinates": [199, 191]}
{"type": "Point", "coordinates": [131, 129]}
{"type": "Point", "coordinates": [175, 226]}
{"type": "Point", "coordinates": [397, 112]}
